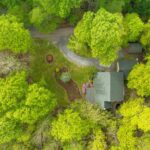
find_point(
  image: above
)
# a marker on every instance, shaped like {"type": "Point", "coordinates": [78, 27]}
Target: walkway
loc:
{"type": "Point", "coordinates": [60, 39]}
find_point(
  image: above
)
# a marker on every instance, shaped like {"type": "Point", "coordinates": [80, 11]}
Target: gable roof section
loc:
{"type": "Point", "coordinates": [126, 65]}
{"type": "Point", "coordinates": [109, 87]}
{"type": "Point", "coordinates": [134, 48]}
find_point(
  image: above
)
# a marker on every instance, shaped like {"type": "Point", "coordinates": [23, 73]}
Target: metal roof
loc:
{"type": "Point", "coordinates": [134, 48]}
{"type": "Point", "coordinates": [108, 87]}
{"type": "Point", "coordinates": [125, 66]}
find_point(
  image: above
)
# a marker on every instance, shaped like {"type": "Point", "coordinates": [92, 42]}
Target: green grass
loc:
{"type": "Point", "coordinates": [40, 70]}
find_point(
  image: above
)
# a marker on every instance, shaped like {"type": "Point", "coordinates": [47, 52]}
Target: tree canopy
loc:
{"type": "Point", "coordinates": [133, 26]}
{"type": "Point", "coordinates": [69, 126]}
{"type": "Point", "coordinates": [13, 35]}
{"type": "Point", "coordinates": [21, 104]}
{"type": "Point", "coordinates": [145, 38]}
{"type": "Point", "coordinates": [139, 79]}
{"type": "Point", "coordinates": [102, 32]}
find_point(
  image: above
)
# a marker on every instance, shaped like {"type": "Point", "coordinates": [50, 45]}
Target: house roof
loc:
{"type": "Point", "coordinates": [108, 87]}
{"type": "Point", "coordinates": [134, 48]}
{"type": "Point", "coordinates": [125, 66]}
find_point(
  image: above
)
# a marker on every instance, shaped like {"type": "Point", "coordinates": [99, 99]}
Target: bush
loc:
{"type": "Point", "coordinates": [145, 39]}
{"type": "Point", "coordinates": [13, 35]}
{"type": "Point", "coordinates": [65, 77]}
{"type": "Point", "coordinates": [133, 26]}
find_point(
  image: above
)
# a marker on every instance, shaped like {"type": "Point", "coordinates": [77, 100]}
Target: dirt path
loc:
{"type": "Point", "coordinates": [71, 89]}
{"type": "Point", "coordinates": [60, 39]}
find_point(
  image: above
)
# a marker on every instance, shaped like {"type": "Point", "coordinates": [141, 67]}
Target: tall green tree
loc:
{"type": "Point", "coordinates": [12, 90]}
{"type": "Point", "coordinates": [106, 36]}
{"type": "Point", "coordinates": [141, 7]}
{"type": "Point", "coordinates": [9, 130]}
{"type": "Point", "coordinates": [98, 142]}
{"type": "Point", "coordinates": [133, 26]}
{"type": "Point", "coordinates": [22, 105]}
{"type": "Point", "coordinates": [69, 127]}
{"type": "Point", "coordinates": [60, 8]}
{"type": "Point", "coordinates": [134, 113]}
{"type": "Point", "coordinates": [13, 35]}
{"type": "Point", "coordinates": [139, 79]}
{"type": "Point", "coordinates": [145, 38]}
{"type": "Point", "coordinates": [39, 102]}
{"type": "Point", "coordinates": [102, 32]}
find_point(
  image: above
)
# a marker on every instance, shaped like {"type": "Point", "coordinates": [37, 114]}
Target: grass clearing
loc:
{"type": "Point", "coordinates": [41, 71]}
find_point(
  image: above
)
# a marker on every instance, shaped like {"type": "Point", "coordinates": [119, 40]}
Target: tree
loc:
{"type": "Point", "coordinates": [69, 127]}
{"type": "Point", "coordinates": [135, 119]}
{"type": "Point", "coordinates": [113, 5]}
{"type": "Point", "coordinates": [39, 102]}
{"type": "Point", "coordinates": [22, 105]}
{"type": "Point", "coordinates": [82, 30]}
{"type": "Point", "coordinates": [134, 27]}
{"type": "Point", "coordinates": [145, 38]}
{"type": "Point", "coordinates": [139, 79]}
{"type": "Point", "coordinates": [95, 115]}
{"type": "Point", "coordinates": [98, 142]}
{"type": "Point", "coordinates": [144, 120]}
{"type": "Point", "coordinates": [141, 7]}
{"type": "Point", "coordinates": [126, 138]}
{"type": "Point", "coordinates": [9, 130]}
{"type": "Point", "coordinates": [106, 36]}
{"type": "Point", "coordinates": [12, 90]}
{"type": "Point", "coordinates": [13, 35]}
{"type": "Point", "coordinates": [59, 8]}
{"type": "Point", "coordinates": [102, 32]}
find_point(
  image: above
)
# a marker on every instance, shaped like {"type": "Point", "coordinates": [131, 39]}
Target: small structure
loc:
{"type": "Point", "coordinates": [134, 48]}
{"type": "Point", "coordinates": [125, 66]}
{"type": "Point", "coordinates": [108, 89]}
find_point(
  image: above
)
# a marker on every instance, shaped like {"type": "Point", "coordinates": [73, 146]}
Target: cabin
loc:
{"type": "Point", "coordinates": [125, 66]}
{"type": "Point", "coordinates": [134, 48]}
{"type": "Point", "coordinates": [107, 90]}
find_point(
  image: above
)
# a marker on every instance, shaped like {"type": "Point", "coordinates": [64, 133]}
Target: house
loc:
{"type": "Point", "coordinates": [108, 89]}
{"type": "Point", "coordinates": [125, 66]}
{"type": "Point", "coordinates": [134, 48]}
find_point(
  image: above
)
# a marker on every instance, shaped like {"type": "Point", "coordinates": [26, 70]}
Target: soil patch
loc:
{"type": "Point", "coordinates": [49, 58]}
{"type": "Point", "coordinates": [71, 89]}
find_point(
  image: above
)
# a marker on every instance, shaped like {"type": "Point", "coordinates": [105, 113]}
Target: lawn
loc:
{"type": "Point", "coordinates": [41, 71]}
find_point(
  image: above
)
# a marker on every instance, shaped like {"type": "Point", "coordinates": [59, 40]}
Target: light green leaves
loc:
{"type": "Point", "coordinates": [13, 36]}
{"type": "Point", "coordinates": [133, 26]}
{"type": "Point", "coordinates": [69, 126]}
{"type": "Point", "coordinates": [139, 79]}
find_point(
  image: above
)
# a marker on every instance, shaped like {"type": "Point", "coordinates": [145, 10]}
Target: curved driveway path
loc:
{"type": "Point", "coordinates": [60, 38]}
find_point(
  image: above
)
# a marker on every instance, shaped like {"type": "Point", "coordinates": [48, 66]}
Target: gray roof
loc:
{"type": "Point", "coordinates": [134, 48]}
{"type": "Point", "coordinates": [125, 66]}
{"type": "Point", "coordinates": [108, 87]}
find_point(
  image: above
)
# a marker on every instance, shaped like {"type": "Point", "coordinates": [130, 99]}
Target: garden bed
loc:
{"type": "Point", "coordinates": [72, 89]}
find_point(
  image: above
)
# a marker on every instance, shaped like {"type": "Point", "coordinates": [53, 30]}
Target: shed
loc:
{"type": "Point", "coordinates": [125, 66]}
{"type": "Point", "coordinates": [134, 48]}
{"type": "Point", "coordinates": [108, 89]}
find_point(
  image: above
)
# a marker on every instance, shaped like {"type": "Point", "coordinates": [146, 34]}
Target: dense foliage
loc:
{"type": "Point", "coordinates": [145, 39]}
{"type": "Point", "coordinates": [69, 127]}
{"type": "Point", "coordinates": [132, 126]}
{"type": "Point", "coordinates": [134, 27]}
{"type": "Point", "coordinates": [139, 79]}
{"type": "Point", "coordinates": [102, 32]}
{"type": "Point", "coordinates": [13, 35]}
{"type": "Point", "coordinates": [21, 103]}
{"type": "Point", "coordinates": [29, 118]}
